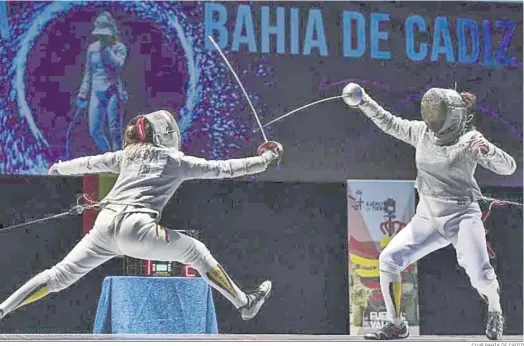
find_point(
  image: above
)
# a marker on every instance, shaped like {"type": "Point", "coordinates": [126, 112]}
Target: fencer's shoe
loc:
{"type": "Point", "coordinates": [255, 300]}
{"type": "Point", "coordinates": [495, 326]}
{"type": "Point", "coordinates": [389, 332]}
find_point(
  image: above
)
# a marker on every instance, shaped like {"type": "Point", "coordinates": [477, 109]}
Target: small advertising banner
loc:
{"type": "Point", "coordinates": [377, 211]}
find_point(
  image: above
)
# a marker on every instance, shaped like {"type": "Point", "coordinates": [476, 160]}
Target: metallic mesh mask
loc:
{"type": "Point", "coordinates": [444, 113]}
{"type": "Point", "coordinates": [165, 130]}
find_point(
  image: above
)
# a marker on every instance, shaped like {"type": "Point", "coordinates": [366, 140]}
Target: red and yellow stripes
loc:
{"type": "Point", "coordinates": [96, 187]}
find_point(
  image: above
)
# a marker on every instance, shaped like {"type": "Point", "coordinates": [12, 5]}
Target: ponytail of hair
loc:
{"type": "Point", "coordinates": [138, 131]}
{"type": "Point", "coordinates": [469, 99]}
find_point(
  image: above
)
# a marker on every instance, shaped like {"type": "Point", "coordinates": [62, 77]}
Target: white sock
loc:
{"type": "Point", "coordinates": [491, 293]}
{"type": "Point", "coordinates": [390, 285]}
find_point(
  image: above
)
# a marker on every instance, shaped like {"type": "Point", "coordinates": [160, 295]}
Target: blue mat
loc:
{"type": "Point", "coordinates": [153, 305]}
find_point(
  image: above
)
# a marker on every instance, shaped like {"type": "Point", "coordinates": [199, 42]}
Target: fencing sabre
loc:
{"type": "Point", "coordinates": [78, 209]}
{"type": "Point", "coordinates": [241, 87]}
{"type": "Point", "coordinates": [261, 128]}
{"type": "Point", "coordinates": [312, 104]}
{"type": "Point", "coordinates": [303, 107]}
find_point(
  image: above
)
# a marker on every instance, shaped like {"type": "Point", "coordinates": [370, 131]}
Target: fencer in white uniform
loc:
{"type": "Point", "coordinates": [151, 168]}
{"type": "Point", "coordinates": [447, 154]}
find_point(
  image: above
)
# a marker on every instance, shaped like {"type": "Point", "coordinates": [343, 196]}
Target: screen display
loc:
{"type": "Point", "coordinates": [64, 95]}
{"type": "Point", "coordinates": [161, 267]}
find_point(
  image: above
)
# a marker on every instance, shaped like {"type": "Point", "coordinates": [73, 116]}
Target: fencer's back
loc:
{"type": "Point", "coordinates": [150, 175]}
{"type": "Point", "coordinates": [147, 179]}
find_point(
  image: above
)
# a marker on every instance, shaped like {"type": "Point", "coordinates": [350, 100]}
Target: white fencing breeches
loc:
{"type": "Point", "coordinates": [132, 234]}
{"type": "Point", "coordinates": [435, 225]}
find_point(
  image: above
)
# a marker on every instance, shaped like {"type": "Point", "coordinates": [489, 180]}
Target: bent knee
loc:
{"type": "Point", "coordinates": [480, 276]}
{"type": "Point", "coordinates": [391, 261]}
{"type": "Point", "coordinates": [61, 276]}
{"type": "Point", "coordinates": [197, 252]}
{"type": "Point", "coordinates": [51, 278]}
{"type": "Point", "coordinates": [200, 257]}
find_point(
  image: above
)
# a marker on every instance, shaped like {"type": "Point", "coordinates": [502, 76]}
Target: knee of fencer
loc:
{"type": "Point", "coordinates": [482, 277]}
{"type": "Point", "coordinates": [199, 256]}
{"type": "Point", "coordinates": [491, 286]}
{"type": "Point", "coordinates": [60, 277]}
{"type": "Point", "coordinates": [51, 280]}
{"type": "Point", "coordinates": [388, 262]}
{"type": "Point", "coordinates": [487, 278]}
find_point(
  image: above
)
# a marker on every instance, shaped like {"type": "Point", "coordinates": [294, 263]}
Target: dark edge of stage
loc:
{"type": "Point", "coordinates": [239, 337]}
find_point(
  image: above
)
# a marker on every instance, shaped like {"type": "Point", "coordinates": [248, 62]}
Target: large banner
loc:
{"type": "Point", "coordinates": [73, 73]}
{"type": "Point", "coordinates": [377, 211]}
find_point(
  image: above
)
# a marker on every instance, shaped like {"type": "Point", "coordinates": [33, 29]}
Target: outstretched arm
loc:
{"type": "Point", "coordinates": [197, 168]}
{"type": "Point", "coordinates": [408, 131]}
{"type": "Point", "coordinates": [491, 157]}
{"type": "Point", "coordinates": [105, 163]}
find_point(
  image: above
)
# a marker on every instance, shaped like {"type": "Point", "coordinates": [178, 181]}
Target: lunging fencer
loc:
{"type": "Point", "coordinates": [447, 153]}
{"type": "Point", "coordinates": [151, 167]}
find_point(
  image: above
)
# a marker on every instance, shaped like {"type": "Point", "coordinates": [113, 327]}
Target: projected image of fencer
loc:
{"type": "Point", "coordinates": [102, 86]}
{"type": "Point", "coordinates": [448, 151]}
{"type": "Point", "coordinates": [150, 169]}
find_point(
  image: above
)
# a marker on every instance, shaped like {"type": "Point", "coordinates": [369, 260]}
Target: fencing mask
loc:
{"type": "Point", "coordinates": [445, 114]}
{"type": "Point", "coordinates": [165, 130]}
{"type": "Point", "coordinates": [105, 25]}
